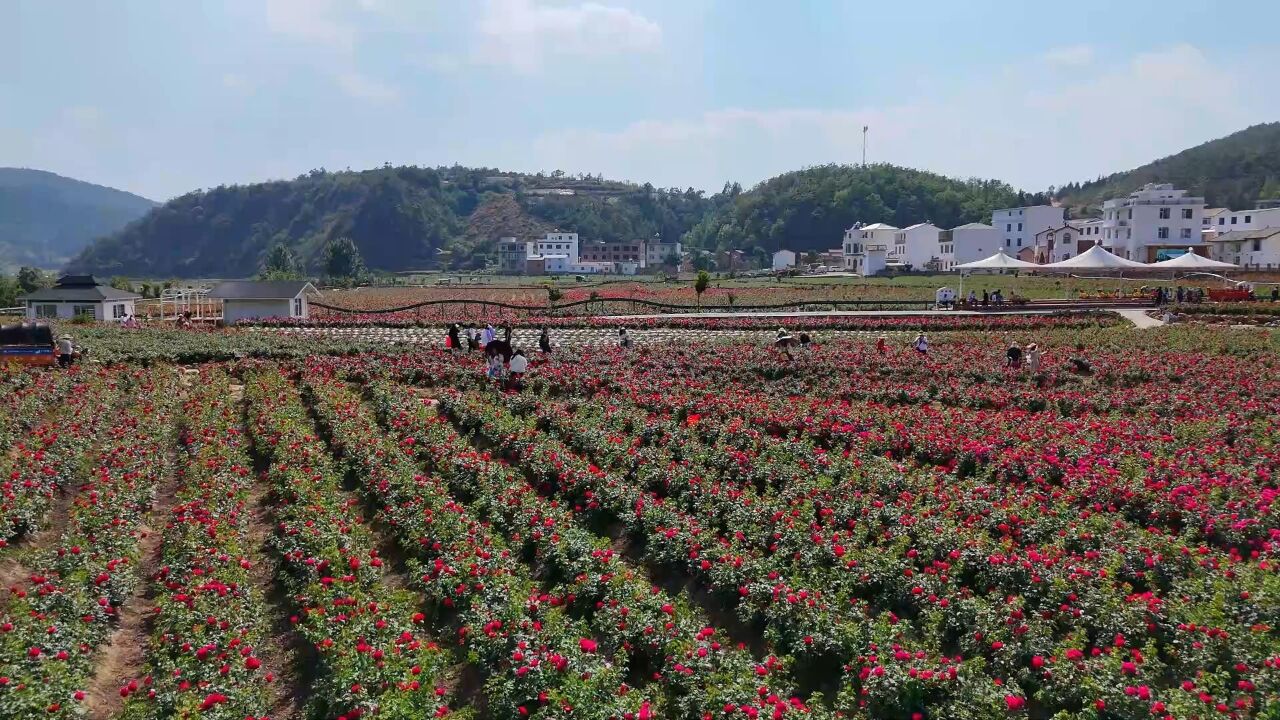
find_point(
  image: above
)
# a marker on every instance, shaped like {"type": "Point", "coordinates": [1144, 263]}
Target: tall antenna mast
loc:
{"type": "Point", "coordinates": [864, 145]}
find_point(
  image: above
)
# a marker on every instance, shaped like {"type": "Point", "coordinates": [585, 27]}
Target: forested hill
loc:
{"type": "Point", "coordinates": [1233, 172]}
{"type": "Point", "coordinates": [400, 218]}
{"type": "Point", "coordinates": [46, 218]}
{"type": "Point", "coordinates": [810, 209]}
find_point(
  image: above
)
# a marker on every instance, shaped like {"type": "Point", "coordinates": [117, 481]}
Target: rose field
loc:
{"type": "Point", "coordinates": [313, 525]}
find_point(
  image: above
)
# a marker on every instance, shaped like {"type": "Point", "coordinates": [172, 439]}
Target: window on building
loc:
{"type": "Point", "coordinates": [297, 307]}
{"type": "Point", "coordinates": [1222, 221]}
{"type": "Point", "coordinates": [1008, 227]}
{"type": "Point", "coordinates": [46, 311]}
{"type": "Point", "coordinates": [1162, 233]}
{"type": "Point", "coordinates": [1066, 255]}
{"type": "Point", "coordinates": [1164, 213]}
{"type": "Point", "coordinates": [1233, 219]}
{"type": "Point", "coordinates": [1186, 213]}
{"type": "Point", "coordinates": [1257, 244]}
{"type": "Point", "coordinates": [1008, 242]}
{"type": "Point", "coordinates": [1248, 219]}
{"type": "Point", "coordinates": [1019, 227]}
{"type": "Point", "coordinates": [117, 311]}
{"type": "Point", "coordinates": [1131, 213]}
{"type": "Point", "coordinates": [1186, 233]}
{"type": "Point", "coordinates": [1066, 237]}
{"type": "Point", "coordinates": [78, 310]}
{"type": "Point", "coordinates": [1019, 242]}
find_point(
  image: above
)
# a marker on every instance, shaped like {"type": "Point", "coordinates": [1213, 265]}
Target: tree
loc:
{"type": "Point", "coordinates": [702, 262]}
{"type": "Point", "coordinates": [341, 260]}
{"type": "Point", "coordinates": [31, 279]}
{"type": "Point", "coordinates": [9, 291]}
{"type": "Point", "coordinates": [700, 284]}
{"type": "Point", "coordinates": [553, 292]}
{"type": "Point", "coordinates": [121, 282]}
{"type": "Point", "coordinates": [280, 264]}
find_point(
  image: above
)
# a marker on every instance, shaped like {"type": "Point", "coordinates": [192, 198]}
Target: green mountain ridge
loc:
{"type": "Point", "coordinates": [46, 218]}
{"type": "Point", "coordinates": [414, 218]}
{"type": "Point", "coordinates": [1234, 172]}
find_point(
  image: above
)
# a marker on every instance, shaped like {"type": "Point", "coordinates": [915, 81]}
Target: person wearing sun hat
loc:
{"type": "Point", "coordinates": [66, 351]}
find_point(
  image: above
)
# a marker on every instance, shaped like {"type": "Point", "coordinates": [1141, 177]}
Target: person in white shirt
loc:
{"type": "Point", "coordinates": [519, 365]}
{"type": "Point", "coordinates": [66, 351]}
{"type": "Point", "coordinates": [488, 336]}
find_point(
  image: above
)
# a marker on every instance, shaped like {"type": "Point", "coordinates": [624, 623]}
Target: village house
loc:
{"type": "Point", "coordinates": [253, 300]}
{"type": "Point", "coordinates": [79, 296]}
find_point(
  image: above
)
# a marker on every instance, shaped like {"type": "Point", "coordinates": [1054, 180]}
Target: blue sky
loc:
{"type": "Point", "coordinates": [161, 97]}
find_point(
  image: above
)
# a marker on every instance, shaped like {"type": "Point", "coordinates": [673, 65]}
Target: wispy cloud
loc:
{"type": "Point", "coordinates": [1070, 56]}
{"type": "Point", "coordinates": [1156, 103]}
{"type": "Point", "coordinates": [318, 21]}
{"type": "Point", "coordinates": [523, 34]}
{"type": "Point", "coordinates": [362, 87]}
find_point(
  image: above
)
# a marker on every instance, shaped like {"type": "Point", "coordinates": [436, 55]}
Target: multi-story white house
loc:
{"type": "Point", "coordinates": [1154, 218]}
{"type": "Point", "coordinates": [657, 252]}
{"type": "Point", "coordinates": [973, 241]}
{"type": "Point", "coordinates": [1019, 225]}
{"type": "Point", "coordinates": [558, 243]}
{"type": "Point", "coordinates": [917, 245]}
{"type": "Point", "coordinates": [867, 247]}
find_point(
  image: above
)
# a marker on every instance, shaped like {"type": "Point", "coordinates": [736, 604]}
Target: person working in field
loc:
{"type": "Point", "coordinates": [1013, 356]}
{"type": "Point", "coordinates": [488, 336]}
{"type": "Point", "coordinates": [1033, 358]}
{"type": "Point", "coordinates": [66, 351]}
{"type": "Point", "coordinates": [880, 344]}
{"type": "Point", "coordinates": [519, 365]}
{"type": "Point", "coordinates": [452, 340]}
{"type": "Point", "coordinates": [921, 344]}
{"type": "Point", "coordinates": [544, 341]}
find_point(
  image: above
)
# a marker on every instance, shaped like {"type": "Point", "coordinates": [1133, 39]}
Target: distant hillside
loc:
{"type": "Point", "coordinates": [1235, 172]}
{"type": "Point", "coordinates": [810, 209]}
{"type": "Point", "coordinates": [399, 217]}
{"type": "Point", "coordinates": [46, 218]}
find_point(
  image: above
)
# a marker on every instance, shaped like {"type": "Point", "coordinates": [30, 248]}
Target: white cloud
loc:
{"type": "Point", "coordinates": [1070, 56]}
{"type": "Point", "coordinates": [523, 34]}
{"type": "Point", "coordinates": [318, 21]}
{"type": "Point", "coordinates": [1007, 127]}
{"type": "Point", "coordinates": [362, 87]}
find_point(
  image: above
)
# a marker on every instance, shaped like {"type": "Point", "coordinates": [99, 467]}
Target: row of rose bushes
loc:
{"type": "Point", "coordinates": [535, 658]}
{"type": "Point", "coordinates": [25, 397]}
{"type": "Point", "coordinates": [53, 450]}
{"type": "Point", "coordinates": [371, 652]}
{"type": "Point", "coordinates": [56, 622]}
{"type": "Point", "coordinates": [209, 621]}
{"type": "Point", "coordinates": [700, 668]}
{"type": "Point", "coordinates": [929, 323]}
{"type": "Point", "coordinates": [1211, 670]}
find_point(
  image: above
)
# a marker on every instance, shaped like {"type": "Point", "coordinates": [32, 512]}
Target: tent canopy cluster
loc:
{"type": "Point", "coordinates": [1097, 258]}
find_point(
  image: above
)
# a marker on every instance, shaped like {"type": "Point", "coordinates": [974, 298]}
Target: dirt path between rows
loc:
{"type": "Point", "coordinates": [122, 658]}
{"type": "Point", "coordinates": [14, 567]}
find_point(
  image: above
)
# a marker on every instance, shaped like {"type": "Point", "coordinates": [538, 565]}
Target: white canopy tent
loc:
{"type": "Point", "coordinates": [999, 261]}
{"type": "Point", "coordinates": [1095, 258]}
{"type": "Point", "coordinates": [1191, 261]}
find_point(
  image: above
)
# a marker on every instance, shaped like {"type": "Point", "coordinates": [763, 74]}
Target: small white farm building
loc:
{"type": "Point", "coordinates": [79, 295]}
{"type": "Point", "coordinates": [252, 300]}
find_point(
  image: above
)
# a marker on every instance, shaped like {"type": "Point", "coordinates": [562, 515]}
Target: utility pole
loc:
{"type": "Point", "coordinates": [864, 145]}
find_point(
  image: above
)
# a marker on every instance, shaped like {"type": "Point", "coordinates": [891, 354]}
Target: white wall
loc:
{"type": "Point", "coordinates": [1246, 220]}
{"type": "Point", "coordinates": [102, 312]}
{"type": "Point", "coordinates": [784, 259]}
{"type": "Point", "coordinates": [921, 245]}
{"type": "Point", "coordinates": [1018, 226]}
{"type": "Point", "coordinates": [1132, 223]}
{"type": "Point", "coordinates": [974, 244]}
{"type": "Point", "coordinates": [558, 243]}
{"type": "Point", "coordinates": [235, 310]}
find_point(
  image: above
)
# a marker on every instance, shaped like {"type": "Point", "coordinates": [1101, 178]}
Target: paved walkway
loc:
{"type": "Point", "coordinates": [1139, 318]}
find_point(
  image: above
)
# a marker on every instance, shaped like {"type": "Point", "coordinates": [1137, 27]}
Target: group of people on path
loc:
{"type": "Point", "coordinates": [505, 363]}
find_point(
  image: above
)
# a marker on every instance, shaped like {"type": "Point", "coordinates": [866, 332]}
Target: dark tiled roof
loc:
{"type": "Point", "coordinates": [253, 290]}
{"type": "Point", "coordinates": [78, 288]}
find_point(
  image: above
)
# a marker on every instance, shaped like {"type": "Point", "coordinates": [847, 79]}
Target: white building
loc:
{"type": "Point", "coordinates": [917, 245]}
{"type": "Point", "coordinates": [248, 300]}
{"type": "Point", "coordinates": [1019, 225]}
{"type": "Point", "coordinates": [1253, 249]}
{"type": "Point", "coordinates": [1062, 243]}
{"type": "Point", "coordinates": [973, 241]}
{"type": "Point", "coordinates": [79, 295]}
{"type": "Point", "coordinates": [558, 243]}
{"type": "Point", "coordinates": [783, 260]}
{"type": "Point", "coordinates": [656, 253]}
{"type": "Point", "coordinates": [1224, 221]}
{"type": "Point", "coordinates": [1146, 221]}
{"type": "Point", "coordinates": [867, 247]}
